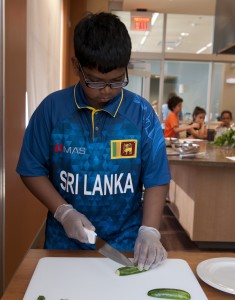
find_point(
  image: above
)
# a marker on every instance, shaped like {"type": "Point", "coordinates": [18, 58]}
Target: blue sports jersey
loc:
{"type": "Point", "coordinates": [98, 160]}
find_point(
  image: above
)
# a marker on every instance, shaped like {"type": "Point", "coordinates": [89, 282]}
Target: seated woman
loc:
{"type": "Point", "coordinates": [172, 128]}
{"type": "Point", "coordinates": [225, 124]}
{"type": "Point", "coordinates": [199, 115]}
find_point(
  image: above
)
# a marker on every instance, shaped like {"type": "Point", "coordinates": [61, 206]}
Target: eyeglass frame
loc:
{"type": "Point", "coordinates": [102, 83]}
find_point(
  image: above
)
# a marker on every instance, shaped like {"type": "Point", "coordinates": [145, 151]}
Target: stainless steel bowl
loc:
{"type": "Point", "coordinates": [169, 141]}
{"type": "Point", "coordinates": [185, 147]}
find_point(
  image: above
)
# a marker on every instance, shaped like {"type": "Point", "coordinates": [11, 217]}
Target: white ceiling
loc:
{"type": "Point", "coordinates": [206, 7]}
{"type": "Point", "coordinates": [193, 17]}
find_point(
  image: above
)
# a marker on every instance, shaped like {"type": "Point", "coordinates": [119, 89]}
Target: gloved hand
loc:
{"type": "Point", "coordinates": [148, 252]}
{"type": "Point", "coordinates": [73, 222]}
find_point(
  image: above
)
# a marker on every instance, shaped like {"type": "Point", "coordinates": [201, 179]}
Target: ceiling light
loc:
{"type": "Point", "coordinates": [154, 18]}
{"type": "Point", "coordinates": [201, 50]}
{"type": "Point", "coordinates": [184, 34]}
{"type": "Point", "coordinates": [144, 38]}
{"type": "Point", "coordinates": [204, 48]}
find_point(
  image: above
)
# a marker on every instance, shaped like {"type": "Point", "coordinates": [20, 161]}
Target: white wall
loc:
{"type": "Point", "coordinates": [43, 49]}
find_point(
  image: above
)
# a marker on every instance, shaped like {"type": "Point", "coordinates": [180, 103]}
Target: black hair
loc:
{"type": "Point", "coordinates": [198, 110]}
{"type": "Point", "coordinates": [173, 101]}
{"type": "Point", "coordinates": [101, 41]}
{"type": "Point", "coordinates": [226, 112]}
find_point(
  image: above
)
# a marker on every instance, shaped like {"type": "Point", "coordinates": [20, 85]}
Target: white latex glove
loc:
{"type": "Point", "coordinates": [148, 252]}
{"type": "Point", "coordinates": [73, 222]}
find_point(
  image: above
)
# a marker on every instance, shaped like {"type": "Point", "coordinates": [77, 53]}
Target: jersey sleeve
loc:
{"type": "Point", "coordinates": [155, 166]}
{"type": "Point", "coordinates": [34, 155]}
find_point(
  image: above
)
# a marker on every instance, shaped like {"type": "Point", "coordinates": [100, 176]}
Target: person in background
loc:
{"type": "Point", "coordinates": [155, 106]}
{"type": "Point", "coordinates": [199, 115]}
{"type": "Point", "coordinates": [165, 110]}
{"type": "Point", "coordinates": [172, 128]}
{"type": "Point", "coordinates": [90, 148]}
{"type": "Point", "coordinates": [226, 118]}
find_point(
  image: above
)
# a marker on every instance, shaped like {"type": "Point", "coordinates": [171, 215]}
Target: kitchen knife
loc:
{"type": "Point", "coordinates": [107, 250]}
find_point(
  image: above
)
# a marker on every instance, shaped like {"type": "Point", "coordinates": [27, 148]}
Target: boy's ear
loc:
{"type": "Point", "coordinates": [75, 65]}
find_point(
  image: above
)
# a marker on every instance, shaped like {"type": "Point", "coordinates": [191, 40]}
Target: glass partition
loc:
{"type": "Point", "coordinates": [135, 83]}
{"type": "Point", "coordinates": [223, 89]}
{"type": "Point", "coordinates": [189, 80]}
{"type": "Point", "coordinates": [206, 84]}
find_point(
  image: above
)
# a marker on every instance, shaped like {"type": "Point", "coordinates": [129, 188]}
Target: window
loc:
{"type": "Point", "coordinates": [184, 65]}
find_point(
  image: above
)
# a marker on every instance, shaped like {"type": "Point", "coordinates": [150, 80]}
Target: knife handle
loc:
{"type": "Point", "coordinates": [91, 235]}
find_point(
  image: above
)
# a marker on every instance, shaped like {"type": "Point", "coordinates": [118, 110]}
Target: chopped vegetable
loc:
{"type": "Point", "coordinates": [169, 294]}
{"type": "Point", "coordinates": [123, 271]}
{"type": "Point", "coordinates": [226, 139]}
{"type": "Point", "coordinates": [41, 298]}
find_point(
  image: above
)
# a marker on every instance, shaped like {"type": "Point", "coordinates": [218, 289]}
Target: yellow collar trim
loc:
{"type": "Point", "coordinates": [95, 110]}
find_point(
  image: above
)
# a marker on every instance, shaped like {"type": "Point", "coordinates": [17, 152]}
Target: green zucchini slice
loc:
{"type": "Point", "coordinates": [123, 271]}
{"type": "Point", "coordinates": [165, 293]}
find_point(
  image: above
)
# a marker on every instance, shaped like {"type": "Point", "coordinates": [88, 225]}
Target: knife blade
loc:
{"type": "Point", "coordinates": [107, 250]}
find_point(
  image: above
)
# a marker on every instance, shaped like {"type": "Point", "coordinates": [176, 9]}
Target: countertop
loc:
{"type": "Point", "coordinates": [209, 155]}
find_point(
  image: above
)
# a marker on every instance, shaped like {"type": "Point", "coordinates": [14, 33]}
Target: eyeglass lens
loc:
{"type": "Point", "coordinates": [102, 85]}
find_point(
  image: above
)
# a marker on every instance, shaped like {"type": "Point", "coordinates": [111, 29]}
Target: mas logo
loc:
{"type": "Point", "coordinates": [123, 149]}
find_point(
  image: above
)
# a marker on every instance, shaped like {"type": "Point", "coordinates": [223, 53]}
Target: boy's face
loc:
{"type": "Point", "coordinates": [99, 97]}
{"type": "Point", "coordinates": [178, 108]}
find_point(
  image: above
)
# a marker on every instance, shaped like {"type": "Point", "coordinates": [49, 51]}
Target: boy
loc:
{"type": "Point", "coordinates": [172, 128]}
{"type": "Point", "coordinates": [89, 149]}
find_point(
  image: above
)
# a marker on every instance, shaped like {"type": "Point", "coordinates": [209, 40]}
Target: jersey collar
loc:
{"type": "Point", "coordinates": [111, 107]}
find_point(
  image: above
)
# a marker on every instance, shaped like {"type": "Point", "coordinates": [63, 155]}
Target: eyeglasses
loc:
{"type": "Point", "coordinates": [102, 85]}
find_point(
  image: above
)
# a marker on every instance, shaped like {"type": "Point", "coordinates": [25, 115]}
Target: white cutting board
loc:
{"type": "Point", "coordinates": [82, 278]}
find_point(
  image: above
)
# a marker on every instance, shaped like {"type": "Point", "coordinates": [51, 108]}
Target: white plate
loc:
{"type": "Point", "coordinates": [188, 140]}
{"type": "Point", "coordinates": [218, 273]}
